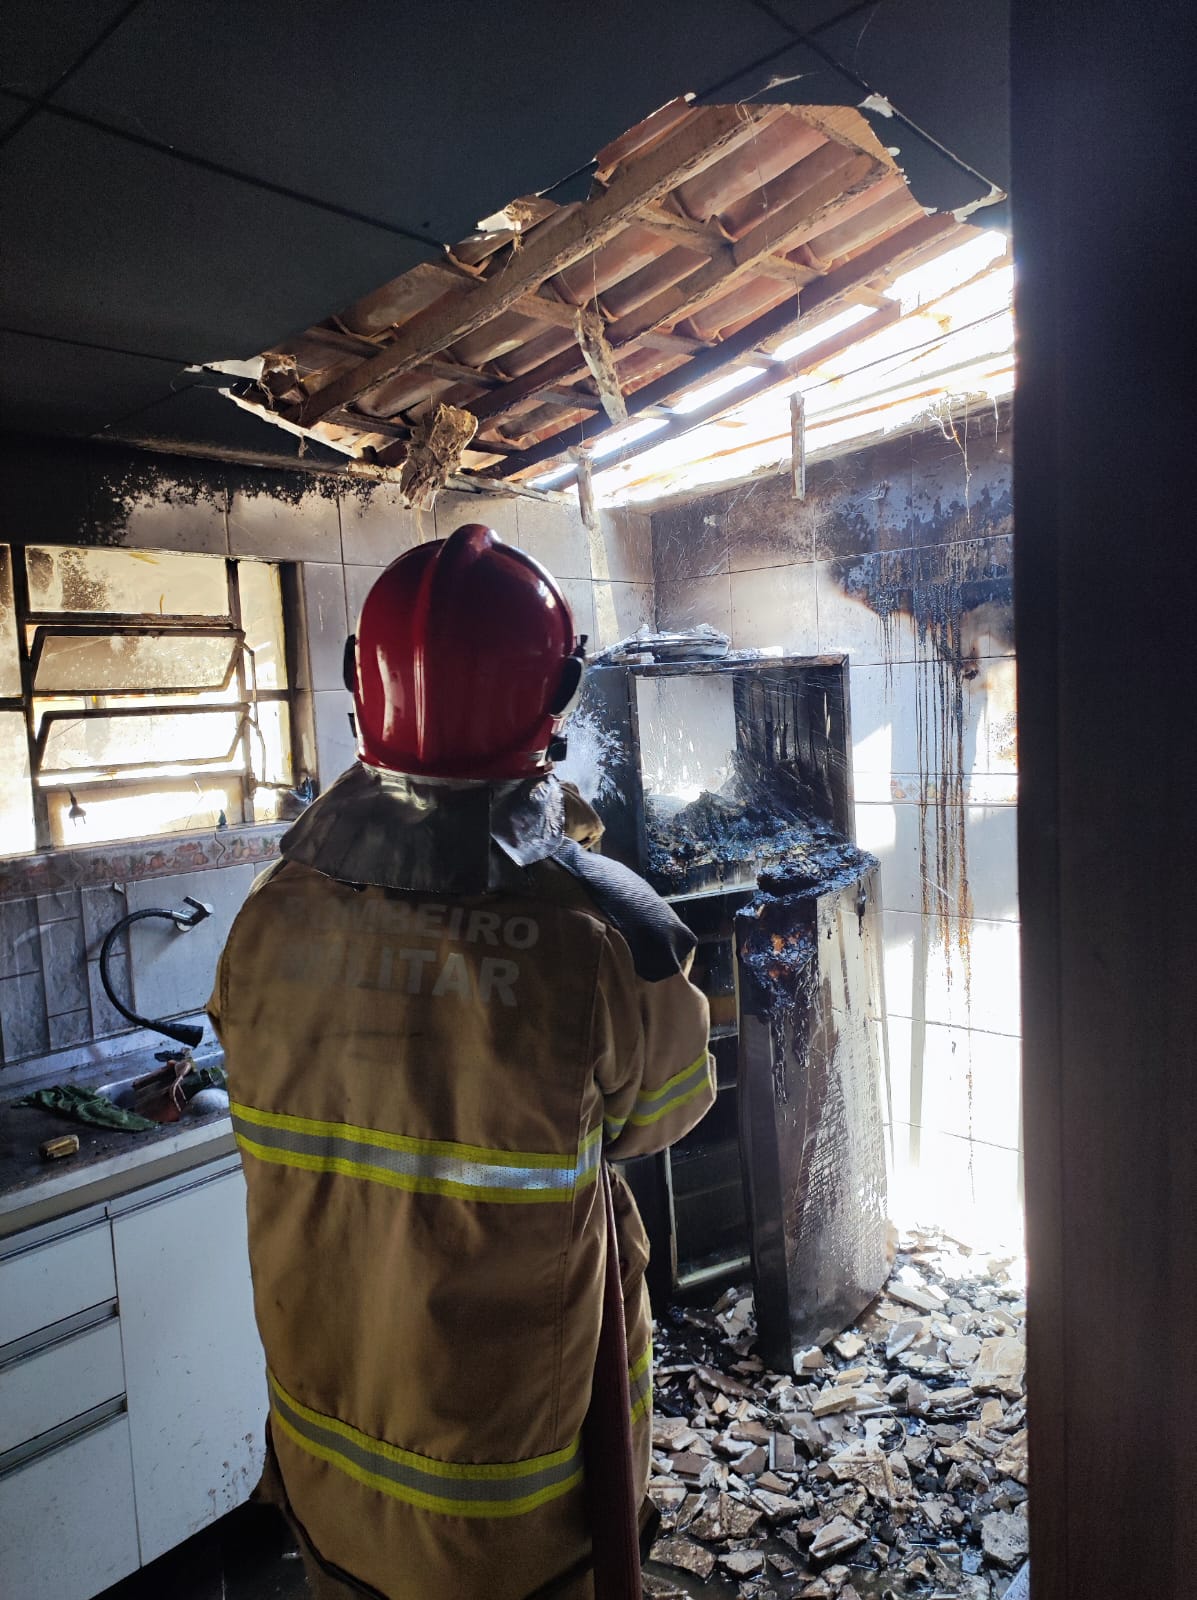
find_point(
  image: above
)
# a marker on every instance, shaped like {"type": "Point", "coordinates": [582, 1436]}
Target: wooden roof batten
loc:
{"type": "Point", "coordinates": [677, 157]}
{"type": "Point", "coordinates": [705, 229]}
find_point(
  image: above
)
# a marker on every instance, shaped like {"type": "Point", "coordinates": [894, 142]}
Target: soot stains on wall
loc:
{"type": "Point", "coordinates": [901, 557]}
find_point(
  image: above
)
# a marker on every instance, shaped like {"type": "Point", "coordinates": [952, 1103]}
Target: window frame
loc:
{"type": "Point", "coordinates": [30, 640]}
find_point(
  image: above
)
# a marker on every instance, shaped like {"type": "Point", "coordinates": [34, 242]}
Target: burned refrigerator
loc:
{"type": "Point", "coordinates": [725, 782]}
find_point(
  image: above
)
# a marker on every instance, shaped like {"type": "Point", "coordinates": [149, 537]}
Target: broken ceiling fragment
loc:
{"type": "Point", "coordinates": [706, 231]}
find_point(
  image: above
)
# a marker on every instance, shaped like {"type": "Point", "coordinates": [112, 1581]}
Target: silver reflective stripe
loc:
{"type": "Point", "coordinates": [469, 1489]}
{"type": "Point", "coordinates": [652, 1104]}
{"type": "Point", "coordinates": [419, 1165]}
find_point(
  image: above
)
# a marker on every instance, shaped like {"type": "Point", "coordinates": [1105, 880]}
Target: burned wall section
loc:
{"type": "Point", "coordinates": [339, 533]}
{"type": "Point", "coordinates": [900, 557]}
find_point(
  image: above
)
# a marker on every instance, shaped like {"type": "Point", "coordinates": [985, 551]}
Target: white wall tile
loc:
{"type": "Point", "coordinates": [453, 511]}
{"type": "Point", "coordinates": [998, 679]}
{"type": "Point", "coordinates": [848, 624]}
{"type": "Point", "coordinates": [973, 1188]}
{"type": "Point", "coordinates": [306, 527]}
{"type": "Point", "coordinates": [991, 843]}
{"type": "Point", "coordinates": [579, 595]}
{"type": "Point", "coordinates": [621, 548]}
{"type": "Point", "coordinates": [971, 981]}
{"type": "Point", "coordinates": [956, 1080]}
{"type": "Point", "coordinates": [324, 605]}
{"type": "Point", "coordinates": [172, 971]}
{"type": "Point", "coordinates": [689, 602]}
{"type": "Point", "coordinates": [358, 583]}
{"type": "Point", "coordinates": [980, 881]}
{"type": "Point", "coordinates": [884, 729]}
{"type": "Point", "coordinates": [375, 527]}
{"type": "Point", "coordinates": [335, 749]}
{"type": "Point", "coordinates": [553, 533]}
{"type": "Point", "coordinates": [176, 521]}
{"type": "Point", "coordinates": [891, 833]}
{"type": "Point", "coordinates": [620, 609]}
{"type": "Point", "coordinates": [775, 606]}
{"type": "Point", "coordinates": [182, 507]}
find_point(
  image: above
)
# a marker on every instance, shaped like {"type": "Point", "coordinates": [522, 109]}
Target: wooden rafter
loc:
{"type": "Point", "coordinates": [777, 374]}
{"type": "Point", "coordinates": [647, 399]}
{"type": "Point", "coordinates": [692, 147]}
{"type": "Point", "coordinates": [803, 216]}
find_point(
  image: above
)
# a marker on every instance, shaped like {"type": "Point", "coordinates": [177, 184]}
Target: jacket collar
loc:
{"type": "Point", "coordinates": [435, 835]}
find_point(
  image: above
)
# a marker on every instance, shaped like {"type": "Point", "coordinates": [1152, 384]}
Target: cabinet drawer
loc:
{"type": "Point", "coordinates": [47, 1387]}
{"type": "Point", "coordinates": [55, 1280]}
{"type": "Point", "coordinates": [68, 1528]}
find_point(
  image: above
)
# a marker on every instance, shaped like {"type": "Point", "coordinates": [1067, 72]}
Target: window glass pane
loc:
{"type": "Point", "coordinates": [16, 796]}
{"type": "Point", "coordinates": [160, 739]}
{"type": "Point", "coordinates": [262, 619]}
{"type": "Point", "coordinates": [272, 752]}
{"type": "Point", "coordinates": [10, 671]}
{"type": "Point", "coordinates": [103, 663]}
{"type": "Point", "coordinates": [160, 805]}
{"type": "Point", "coordinates": [142, 582]}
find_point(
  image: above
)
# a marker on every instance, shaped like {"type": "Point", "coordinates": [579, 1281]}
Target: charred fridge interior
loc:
{"type": "Point", "coordinates": [710, 774]}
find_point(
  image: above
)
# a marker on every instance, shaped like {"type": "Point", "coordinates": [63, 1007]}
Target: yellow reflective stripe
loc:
{"type": "Point", "coordinates": [640, 1384]}
{"type": "Point", "coordinates": [396, 1141]}
{"type": "Point", "coordinates": [647, 1097]}
{"type": "Point", "coordinates": [655, 1116]}
{"type": "Point", "coordinates": [470, 1489]}
{"type": "Point", "coordinates": [420, 1166]}
{"type": "Point", "coordinates": [653, 1104]}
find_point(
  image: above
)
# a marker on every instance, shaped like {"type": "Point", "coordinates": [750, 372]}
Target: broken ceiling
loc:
{"type": "Point", "coordinates": [709, 236]}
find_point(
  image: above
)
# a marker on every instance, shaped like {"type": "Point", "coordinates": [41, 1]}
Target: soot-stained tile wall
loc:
{"type": "Point", "coordinates": [342, 533]}
{"type": "Point", "coordinates": [901, 557]}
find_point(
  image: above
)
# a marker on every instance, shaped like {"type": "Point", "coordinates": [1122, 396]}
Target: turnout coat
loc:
{"type": "Point", "coordinates": [423, 1087]}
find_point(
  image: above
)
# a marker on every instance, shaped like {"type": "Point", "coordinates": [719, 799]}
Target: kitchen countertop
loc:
{"type": "Point", "coordinates": [109, 1161]}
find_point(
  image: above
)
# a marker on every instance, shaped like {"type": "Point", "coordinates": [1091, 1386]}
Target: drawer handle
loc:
{"type": "Point", "coordinates": [32, 1344]}
{"type": "Point", "coordinates": [58, 1438]}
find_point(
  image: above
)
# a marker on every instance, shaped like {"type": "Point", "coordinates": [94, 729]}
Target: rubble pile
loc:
{"type": "Point", "coordinates": [892, 1464]}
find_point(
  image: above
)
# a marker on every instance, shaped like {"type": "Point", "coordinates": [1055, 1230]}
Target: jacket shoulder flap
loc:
{"type": "Point", "coordinates": [658, 939]}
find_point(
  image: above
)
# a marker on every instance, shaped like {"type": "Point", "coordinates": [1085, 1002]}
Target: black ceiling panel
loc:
{"type": "Point", "coordinates": [421, 114]}
{"type": "Point", "coordinates": [404, 123]}
{"type": "Point", "coordinates": [118, 245]}
{"type": "Point", "coordinates": [41, 39]}
{"type": "Point", "coordinates": [199, 413]}
{"type": "Point", "coordinates": [944, 64]}
{"type": "Point", "coordinates": [49, 387]}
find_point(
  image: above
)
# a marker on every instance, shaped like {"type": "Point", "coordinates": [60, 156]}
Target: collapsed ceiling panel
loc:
{"type": "Point", "coordinates": [710, 234]}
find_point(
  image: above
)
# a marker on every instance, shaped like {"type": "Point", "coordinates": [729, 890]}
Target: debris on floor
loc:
{"type": "Point", "coordinates": [891, 1465]}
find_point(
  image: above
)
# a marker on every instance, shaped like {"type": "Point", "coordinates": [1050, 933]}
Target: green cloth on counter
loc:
{"type": "Point", "coordinates": [86, 1105]}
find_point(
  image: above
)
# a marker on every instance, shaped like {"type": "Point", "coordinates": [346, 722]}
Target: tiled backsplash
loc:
{"type": "Point", "coordinates": [55, 910]}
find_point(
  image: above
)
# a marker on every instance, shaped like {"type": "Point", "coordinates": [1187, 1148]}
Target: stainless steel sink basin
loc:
{"type": "Point", "coordinates": [120, 1090]}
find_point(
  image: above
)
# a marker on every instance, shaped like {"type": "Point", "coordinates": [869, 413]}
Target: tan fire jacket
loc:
{"type": "Point", "coordinates": [422, 1091]}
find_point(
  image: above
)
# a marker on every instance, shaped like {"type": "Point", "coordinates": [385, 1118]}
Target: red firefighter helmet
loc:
{"type": "Point", "coordinates": [465, 661]}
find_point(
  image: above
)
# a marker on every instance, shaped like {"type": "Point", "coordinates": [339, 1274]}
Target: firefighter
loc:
{"type": "Point", "coordinates": [442, 1016]}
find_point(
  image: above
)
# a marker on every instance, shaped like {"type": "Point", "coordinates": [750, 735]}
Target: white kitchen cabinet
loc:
{"type": "Point", "coordinates": [53, 1271]}
{"type": "Point", "coordinates": [64, 1379]}
{"type": "Point", "coordinates": [68, 1528]}
{"type": "Point", "coordinates": [194, 1368]}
